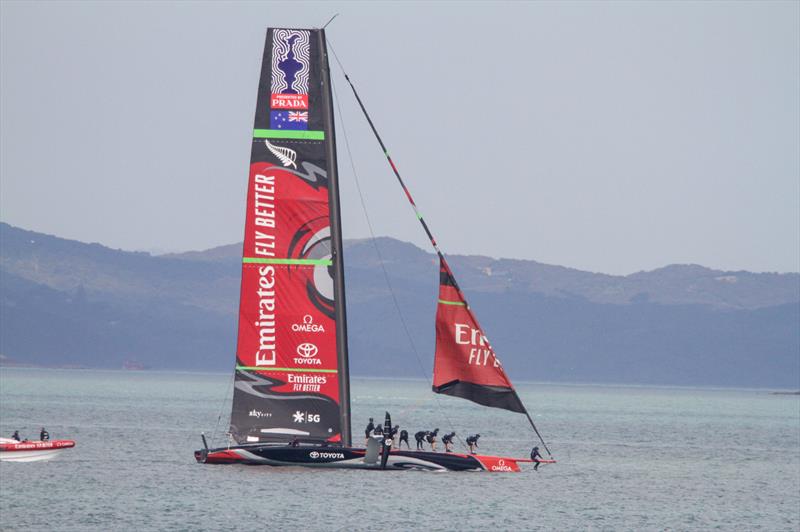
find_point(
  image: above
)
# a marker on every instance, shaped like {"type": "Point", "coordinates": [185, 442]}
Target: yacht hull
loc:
{"type": "Point", "coordinates": [356, 458]}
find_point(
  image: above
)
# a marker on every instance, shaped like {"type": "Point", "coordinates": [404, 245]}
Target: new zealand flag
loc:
{"type": "Point", "coordinates": [288, 120]}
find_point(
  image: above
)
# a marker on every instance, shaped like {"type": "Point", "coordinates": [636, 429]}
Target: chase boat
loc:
{"type": "Point", "coordinates": [12, 450]}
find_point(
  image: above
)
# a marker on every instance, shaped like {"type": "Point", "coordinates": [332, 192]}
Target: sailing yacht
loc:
{"type": "Point", "coordinates": [291, 399]}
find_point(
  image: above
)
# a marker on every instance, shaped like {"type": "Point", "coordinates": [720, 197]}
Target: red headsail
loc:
{"type": "Point", "coordinates": [465, 364]}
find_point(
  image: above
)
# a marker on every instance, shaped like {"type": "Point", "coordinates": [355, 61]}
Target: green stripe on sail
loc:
{"type": "Point", "coordinates": [294, 262]}
{"type": "Point", "coordinates": [296, 370]}
{"type": "Point", "coordinates": [457, 303]}
{"type": "Point", "coordinates": [288, 134]}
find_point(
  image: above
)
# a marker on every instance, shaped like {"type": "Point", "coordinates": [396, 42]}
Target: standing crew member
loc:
{"type": "Point", "coordinates": [16, 435]}
{"type": "Point", "coordinates": [536, 457]}
{"type": "Point", "coordinates": [393, 435]}
{"type": "Point", "coordinates": [447, 440]}
{"type": "Point", "coordinates": [404, 438]}
{"type": "Point", "coordinates": [44, 435]}
{"type": "Point", "coordinates": [368, 431]}
{"type": "Point", "coordinates": [472, 441]}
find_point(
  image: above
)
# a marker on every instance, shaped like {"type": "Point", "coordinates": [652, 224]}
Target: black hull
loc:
{"type": "Point", "coordinates": [354, 458]}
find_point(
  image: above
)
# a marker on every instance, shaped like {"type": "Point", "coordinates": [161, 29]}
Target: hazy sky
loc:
{"type": "Point", "coordinates": [611, 137]}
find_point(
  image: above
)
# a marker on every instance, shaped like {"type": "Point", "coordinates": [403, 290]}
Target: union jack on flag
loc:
{"type": "Point", "coordinates": [297, 120]}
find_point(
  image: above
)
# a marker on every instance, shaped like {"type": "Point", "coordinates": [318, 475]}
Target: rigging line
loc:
{"type": "Point", "coordinates": [224, 402]}
{"type": "Point", "coordinates": [396, 172]}
{"type": "Point", "coordinates": [537, 433]}
{"type": "Point", "coordinates": [329, 21]}
{"type": "Point", "coordinates": [380, 256]}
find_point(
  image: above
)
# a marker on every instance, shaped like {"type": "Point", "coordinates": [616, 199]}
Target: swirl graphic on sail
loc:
{"type": "Point", "coordinates": [290, 62]}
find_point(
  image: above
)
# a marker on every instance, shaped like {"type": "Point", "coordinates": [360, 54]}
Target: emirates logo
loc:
{"type": "Point", "coordinates": [307, 350]}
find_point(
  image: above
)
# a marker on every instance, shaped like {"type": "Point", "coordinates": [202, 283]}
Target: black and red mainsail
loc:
{"type": "Point", "coordinates": [291, 355]}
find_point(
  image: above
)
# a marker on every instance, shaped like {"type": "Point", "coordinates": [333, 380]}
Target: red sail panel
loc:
{"type": "Point", "coordinates": [287, 380]}
{"type": "Point", "coordinates": [465, 364]}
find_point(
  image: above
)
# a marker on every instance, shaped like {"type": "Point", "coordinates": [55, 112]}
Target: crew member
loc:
{"type": "Point", "coordinates": [44, 435]}
{"type": "Point", "coordinates": [16, 435]}
{"type": "Point", "coordinates": [368, 431]}
{"type": "Point", "coordinates": [420, 437]}
{"type": "Point", "coordinates": [378, 430]}
{"type": "Point", "coordinates": [431, 438]}
{"type": "Point", "coordinates": [536, 457]}
{"type": "Point", "coordinates": [394, 432]}
{"type": "Point", "coordinates": [447, 440]}
{"type": "Point", "coordinates": [404, 438]}
{"type": "Point", "coordinates": [472, 441]}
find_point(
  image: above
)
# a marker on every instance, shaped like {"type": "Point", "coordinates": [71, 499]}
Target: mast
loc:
{"type": "Point", "coordinates": [336, 240]}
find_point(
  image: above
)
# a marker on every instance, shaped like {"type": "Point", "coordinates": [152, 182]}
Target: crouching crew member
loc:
{"type": "Point", "coordinates": [447, 440]}
{"type": "Point", "coordinates": [420, 437]}
{"type": "Point", "coordinates": [431, 438]}
{"type": "Point", "coordinates": [404, 438]}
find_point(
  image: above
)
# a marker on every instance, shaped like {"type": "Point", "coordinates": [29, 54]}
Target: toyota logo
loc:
{"type": "Point", "coordinates": [307, 350]}
{"type": "Point", "coordinates": [313, 454]}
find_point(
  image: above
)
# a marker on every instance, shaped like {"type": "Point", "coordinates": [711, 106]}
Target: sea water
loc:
{"type": "Point", "coordinates": [629, 458]}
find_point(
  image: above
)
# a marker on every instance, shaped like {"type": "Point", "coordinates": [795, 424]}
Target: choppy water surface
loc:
{"type": "Point", "coordinates": [629, 459]}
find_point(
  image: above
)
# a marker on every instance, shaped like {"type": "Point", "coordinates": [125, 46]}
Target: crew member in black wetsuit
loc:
{"type": "Point", "coordinates": [472, 441]}
{"type": "Point", "coordinates": [368, 431]}
{"type": "Point", "coordinates": [431, 438]}
{"type": "Point", "coordinates": [44, 435]}
{"type": "Point", "coordinates": [16, 435]}
{"type": "Point", "coordinates": [536, 457]}
{"type": "Point", "coordinates": [420, 437]}
{"type": "Point", "coordinates": [447, 440]}
{"type": "Point", "coordinates": [403, 438]}
{"type": "Point", "coordinates": [378, 431]}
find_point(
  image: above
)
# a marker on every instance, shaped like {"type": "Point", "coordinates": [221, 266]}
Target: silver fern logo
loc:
{"type": "Point", "coordinates": [286, 156]}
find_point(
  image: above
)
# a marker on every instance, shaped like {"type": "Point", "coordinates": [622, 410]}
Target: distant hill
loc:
{"type": "Point", "coordinates": [69, 303]}
{"type": "Point", "coordinates": [675, 284]}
